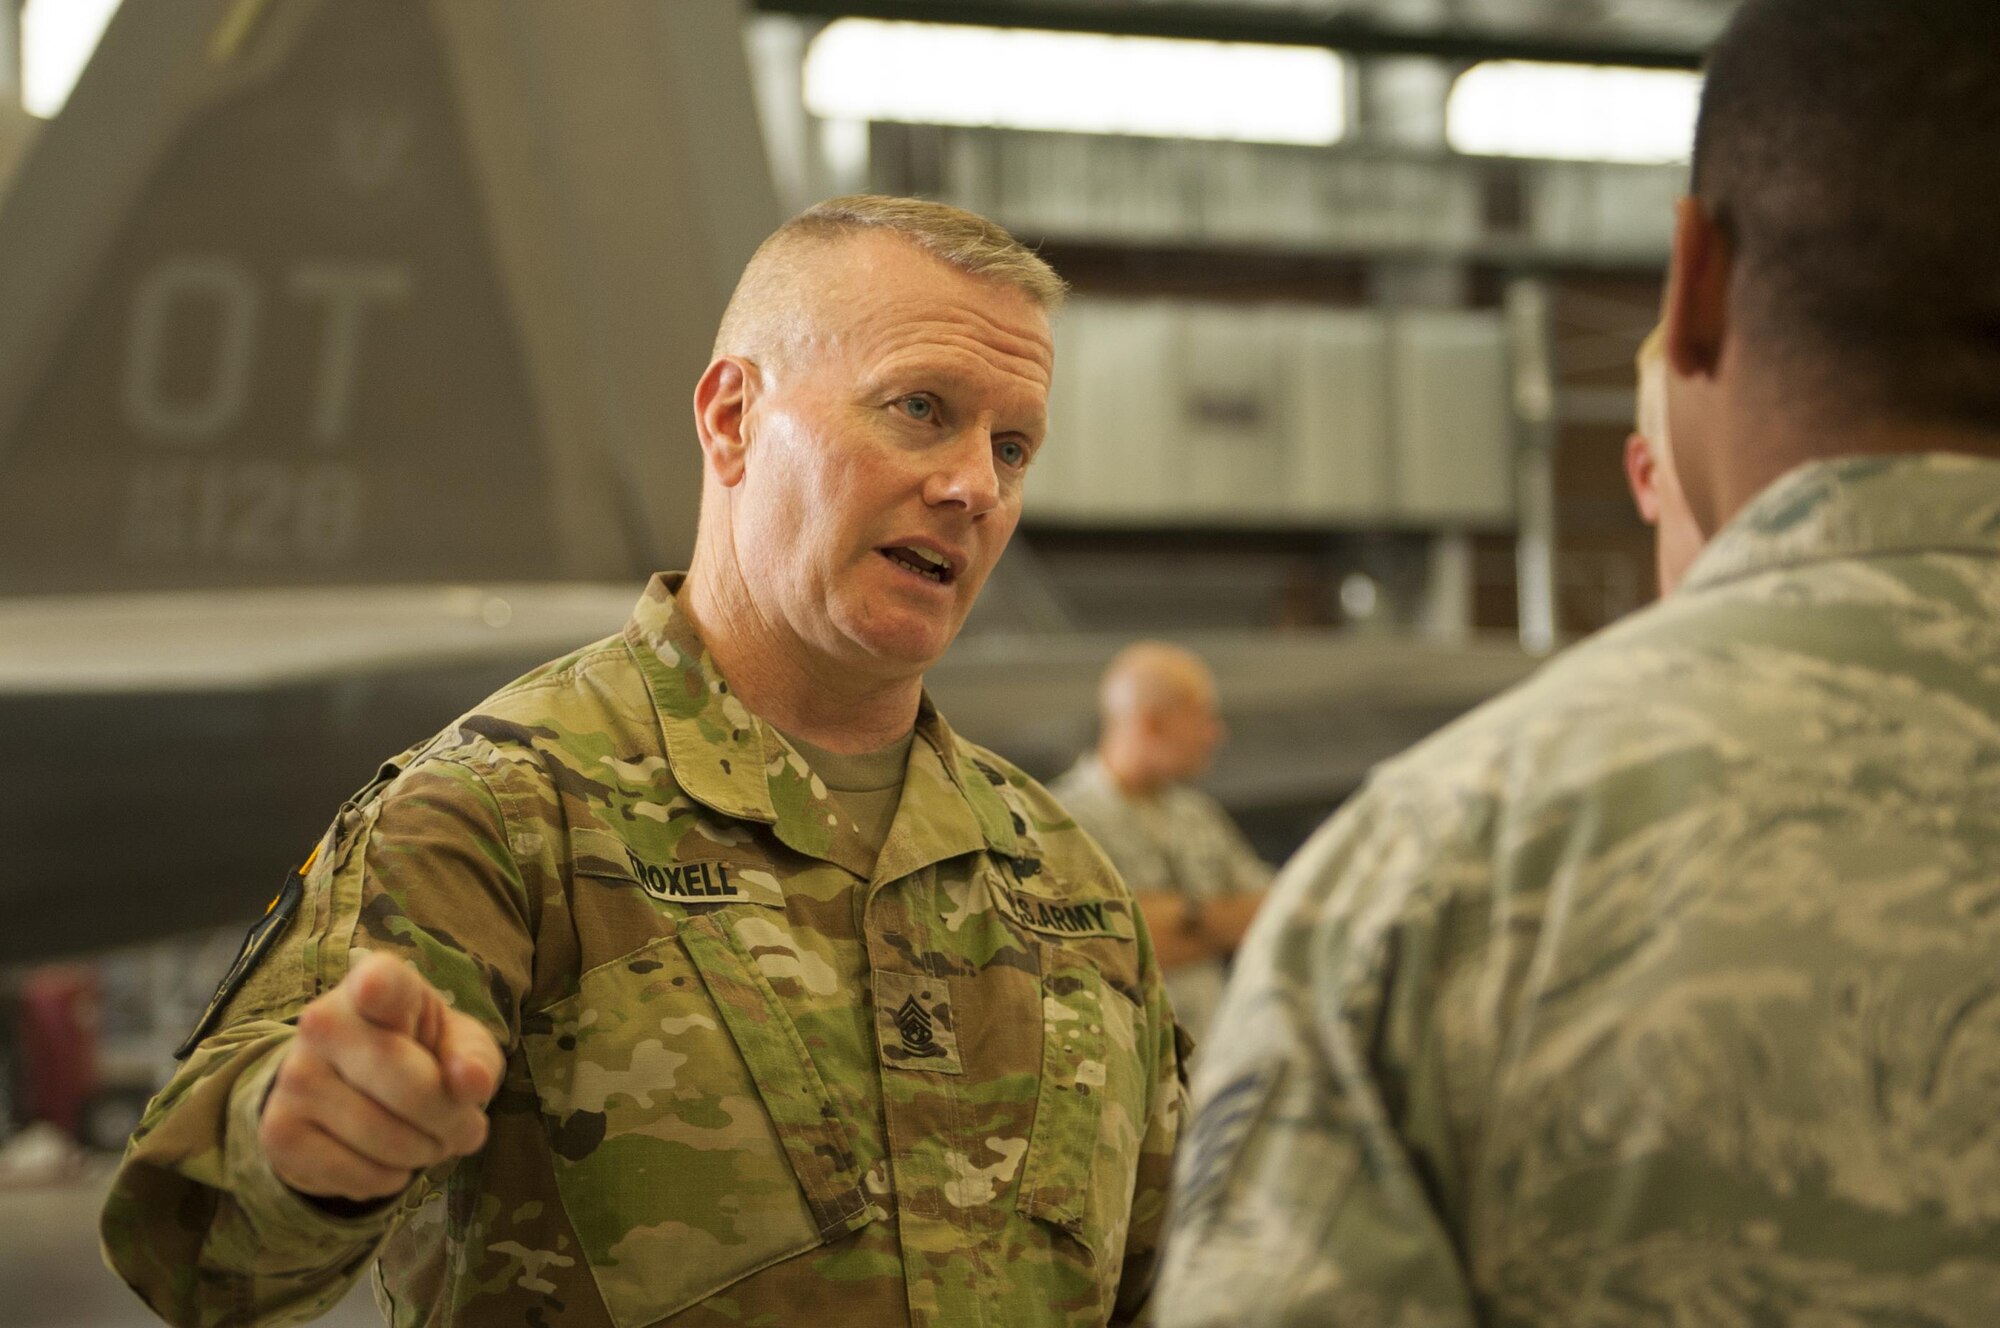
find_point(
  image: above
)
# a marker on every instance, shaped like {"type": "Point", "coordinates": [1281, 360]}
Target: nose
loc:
{"type": "Point", "coordinates": [965, 475]}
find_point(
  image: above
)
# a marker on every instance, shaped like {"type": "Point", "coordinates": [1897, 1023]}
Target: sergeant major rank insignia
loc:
{"type": "Point", "coordinates": [917, 1027]}
{"type": "Point", "coordinates": [913, 1022]}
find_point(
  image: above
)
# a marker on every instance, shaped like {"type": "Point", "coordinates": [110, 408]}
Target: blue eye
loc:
{"type": "Point", "coordinates": [1013, 453]}
{"type": "Point", "coordinates": [919, 408]}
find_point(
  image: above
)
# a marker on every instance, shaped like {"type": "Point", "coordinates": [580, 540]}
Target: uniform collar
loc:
{"type": "Point", "coordinates": [1088, 768]}
{"type": "Point", "coordinates": [1092, 774]}
{"type": "Point", "coordinates": [1856, 507]}
{"type": "Point", "coordinates": [734, 763]}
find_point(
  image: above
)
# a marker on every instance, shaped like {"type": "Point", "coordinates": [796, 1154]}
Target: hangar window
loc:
{"type": "Point", "coordinates": [933, 73]}
{"type": "Point", "coordinates": [57, 37]}
{"type": "Point", "coordinates": [1516, 108]}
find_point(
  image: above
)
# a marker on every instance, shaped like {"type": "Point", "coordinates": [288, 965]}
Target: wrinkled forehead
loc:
{"type": "Point", "coordinates": [877, 296]}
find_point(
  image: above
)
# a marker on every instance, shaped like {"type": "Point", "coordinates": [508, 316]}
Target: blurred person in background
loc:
{"type": "Point", "coordinates": [1196, 878]}
{"type": "Point", "coordinates": [1649, 470]}
{"type": "Point", "coordinates": [705, 976]}
{"type": "Point", "coordinates": [1661, 991]}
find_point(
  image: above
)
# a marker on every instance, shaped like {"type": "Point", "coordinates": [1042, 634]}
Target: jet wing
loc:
{"type": "Point", "coordinates": [170, 755]}
{"type": "Point", "coordinates": [332, 332]}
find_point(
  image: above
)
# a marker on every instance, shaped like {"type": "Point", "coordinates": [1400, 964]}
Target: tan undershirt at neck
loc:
{"type": "Point", "coordinates": [865, 786]}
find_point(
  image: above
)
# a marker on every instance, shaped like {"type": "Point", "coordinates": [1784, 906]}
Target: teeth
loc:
{"type": "Point", "coordinates": [934, 559]}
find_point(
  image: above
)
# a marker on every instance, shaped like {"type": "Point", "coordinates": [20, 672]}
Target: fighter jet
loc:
{"type": "Point", "coordinates": [345, 350]}
{"type": "Point", "coordinates": [345, 358]}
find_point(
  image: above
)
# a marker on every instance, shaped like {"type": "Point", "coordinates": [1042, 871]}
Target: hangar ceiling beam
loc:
{"type": "Point", "coordinates": [1224, 22]}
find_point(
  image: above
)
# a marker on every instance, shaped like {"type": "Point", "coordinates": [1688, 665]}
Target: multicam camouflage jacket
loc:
{"type": "Point", "coordinates": [1662, 991]}
{"type": "Point", "coordinates": [1182, 841]}
{"type": "Point", "coordinates": [752, 1075]}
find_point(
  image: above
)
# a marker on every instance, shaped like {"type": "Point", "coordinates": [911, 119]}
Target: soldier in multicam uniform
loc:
{"type": "Point", "coordinates": [1196, 879]}
{"type": "Point", "coordinates": [793, 1007]}
{"type": "Point", "coordinates": [1666, 989]}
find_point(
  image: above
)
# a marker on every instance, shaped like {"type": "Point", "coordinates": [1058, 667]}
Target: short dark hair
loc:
{"type": "Point", "coordinates": [1851, 150]}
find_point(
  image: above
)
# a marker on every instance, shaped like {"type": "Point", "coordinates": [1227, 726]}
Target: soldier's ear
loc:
{"type": "Point", "coordinates": [722, 402]}
{"type": "Point", "coordinates": [1642, 477]}
{"type": "Point", "coordinates": [1697, 315]}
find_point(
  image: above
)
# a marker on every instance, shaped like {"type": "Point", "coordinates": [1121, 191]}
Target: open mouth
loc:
{"type": "Point", "coordinates": [934, 567]}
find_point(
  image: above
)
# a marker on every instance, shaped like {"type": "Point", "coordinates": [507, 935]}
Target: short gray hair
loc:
{"type": "Point", "coordinates": [966, 240]}
{"type": "Point", "coordinates": [963, 240]}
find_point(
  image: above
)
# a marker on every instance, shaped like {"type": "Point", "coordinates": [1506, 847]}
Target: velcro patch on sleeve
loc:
{"type": "Point", "coordinates": [277, 917]}
{"type": "Point", "coordinates": [1211, 1151]}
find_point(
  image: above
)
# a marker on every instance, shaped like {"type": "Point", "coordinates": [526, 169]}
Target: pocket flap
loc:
{"type": "Point", "coordinates": [671, 1125]}
{"type": "Point", "coordinates": [795, 1097]}
{"type": "Point", "coordinates": [1062, 1149]}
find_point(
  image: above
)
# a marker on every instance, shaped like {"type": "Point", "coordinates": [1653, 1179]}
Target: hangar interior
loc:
{"type": "Point", "coordinates": [344, 358]}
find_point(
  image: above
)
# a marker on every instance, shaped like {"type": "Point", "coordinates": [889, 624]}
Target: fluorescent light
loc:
{"type": "Point", "coordinates": [1514, 108]}
{"type": "Point", "coordinates": [932, 73]}
{"type": "Point", "coordinates": [57, 37]}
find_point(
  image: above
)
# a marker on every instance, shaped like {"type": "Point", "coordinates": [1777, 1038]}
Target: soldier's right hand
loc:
{"type": "Point", "coordinates": [383, 1080]}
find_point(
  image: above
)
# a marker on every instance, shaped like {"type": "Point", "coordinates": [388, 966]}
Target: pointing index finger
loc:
{"type": "Point", "coordinates": [472, 1060]}
{"type": "Point", "coordinates": [392, 995]}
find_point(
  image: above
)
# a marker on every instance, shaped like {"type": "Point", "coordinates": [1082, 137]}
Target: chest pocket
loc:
{"type": "Point", "coordinates": [1090, 1111]}
{"type": "Point", "coordinates": [694, 1141]}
